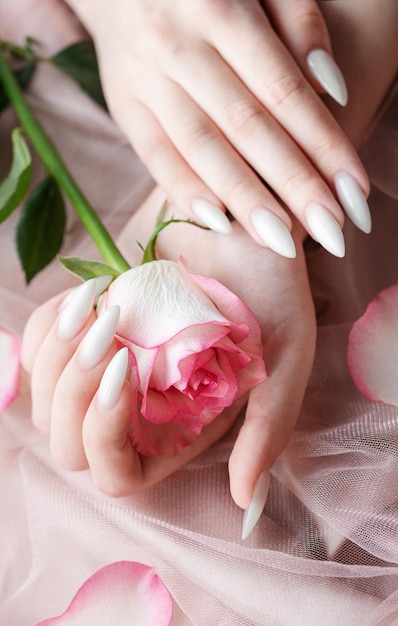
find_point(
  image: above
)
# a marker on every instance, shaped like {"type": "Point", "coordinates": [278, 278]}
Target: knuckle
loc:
{"type": "Point", "coordinates": [67, 460]}
{"type": "Point", "coordinates": [117, 485]}
{"type": "Point", "coordinates": [330, 144]}
{"type": "Point", "coordinates": [196, 134]}
{"type": "Point", "coordinates": [154, 152]}
{"type": "Point", "coordinates": [95, 442]}
{"type": "Point", "coordinates": [307, 17]}
{"type": "Point", "coordinates": [153, 36]}
{"type": "Point", "coordinates": [285, 90]}
{"type": "Point", "coordinates": [295, 180]}
{"type": "Point", "coordinates": [244, 117]}
{"type": "Point", "coordinates": [112, 489]}
{"type": "Point", "coordinates": [240, 189]}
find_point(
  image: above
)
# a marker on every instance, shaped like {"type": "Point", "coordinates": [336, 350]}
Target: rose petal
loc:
{"type": "Point", "coordinates": [147, 291]}
{"type": "Point", "coordinates": [10, 349]}
{"type": "Point", "coordinates": [372, 354]}
{"type": "Point", "coordinates": [122, 593]}
{"type": "Point", "coordinates": [234, 309]}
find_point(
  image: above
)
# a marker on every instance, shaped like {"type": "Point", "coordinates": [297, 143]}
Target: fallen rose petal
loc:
{"type": "Point", "coordinates": [10, 349]}
{"type": "Point", "coordinates": [122, 593]}
{"type": "Point", "coordinates": [372, 354]}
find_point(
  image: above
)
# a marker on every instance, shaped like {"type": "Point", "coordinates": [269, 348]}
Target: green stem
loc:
{"type": "Point", "coordinates": [52, 160]}
{"type": "Point", "coordinates": [150, 249]}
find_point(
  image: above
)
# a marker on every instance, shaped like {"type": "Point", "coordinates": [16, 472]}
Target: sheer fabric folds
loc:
{"type": "Point", "coordinates": [326, 548]}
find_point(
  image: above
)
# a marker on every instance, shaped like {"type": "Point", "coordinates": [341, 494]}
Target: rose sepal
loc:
{"type": "Point", "coordinates": [86, 269]}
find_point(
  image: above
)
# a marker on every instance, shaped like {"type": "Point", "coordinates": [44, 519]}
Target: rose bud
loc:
{"type": "Point", "coordinates": [194, 347]}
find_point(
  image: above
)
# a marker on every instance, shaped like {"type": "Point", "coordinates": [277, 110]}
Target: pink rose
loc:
{"type": "Point", "coordinates": [194, 348]}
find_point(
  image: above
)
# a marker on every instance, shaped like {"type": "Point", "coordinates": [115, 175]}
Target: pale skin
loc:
{"type": "Point", "coordinates": [275, 288]}
{"type": "Point", "coordinates": [212, 100]}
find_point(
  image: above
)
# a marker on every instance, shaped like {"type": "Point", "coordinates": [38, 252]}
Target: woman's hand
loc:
{"type": "Point", "coordinates": [85, 432]}
{"type": "Point", "coordinates": [216, 97]}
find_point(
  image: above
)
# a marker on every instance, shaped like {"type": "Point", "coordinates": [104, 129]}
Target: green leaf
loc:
{"type": "Point", "coordinates": [13, 189]}
{"type": "Point", "coordinates": [41, 228]}
{"type": "Point", "coordinates": [23, 76]}
{"type": "Point", "coordinates": [79, 61]}
{"type": "Point", "coordinates": [87, 269]}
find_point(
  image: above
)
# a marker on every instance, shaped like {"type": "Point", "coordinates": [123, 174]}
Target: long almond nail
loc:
{"type": "Point", "coordinates": [256, 506]}
{"type": "Point", "coordinates": [211, 216]}
{"type": "Point", "coordinates": [325, 229]}
{"type": "Point", "coordinates": [325, 70]}
{"type": "Point", "coordinates": [76, 310]}
{"type": "Point", "coordinates": [99, 338]}
{"type": "Point", "coordinates": [112, 381]}
{"type": "Point", "coordinates": [353, 201]}
{"type": "Point", "coordinates": [273, 232]}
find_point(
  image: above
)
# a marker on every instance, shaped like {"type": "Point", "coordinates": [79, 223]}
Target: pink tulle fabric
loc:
{"type": "Point", "coordinates": [326, 548]}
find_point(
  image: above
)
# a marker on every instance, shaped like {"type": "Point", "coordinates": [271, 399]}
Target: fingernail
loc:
{"type": "Point", "coordinates": [112, 381]}
{"type": "Point", "coordinates": [273, 232]}
{"type": "Point", "coordinates": [353, 201]}
{"type": "Point", "coordinates": [98, 340]}
{"type": "Point", "coordinates": [325, 70]}
{"type": "Point", "coordinates": [102, 283]}
{"type": "Point", "coordinates": [256, 506]}
{"type": "Point", "coordinates": [211, 216]}
{"type": "Point", "coordinates": [325, 229]}
{"type": "Point", "coordinates": [76, 310]}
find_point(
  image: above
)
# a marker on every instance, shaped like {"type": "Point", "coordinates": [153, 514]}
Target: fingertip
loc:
{"type": "Point", "coordinates": [113, 381]}
{"type": "Point", "coordinates": [211, 215]}
{"type": "Point", "coordinates": [248, 459]}
{"type": "Point", "coordinates": [324, 69]}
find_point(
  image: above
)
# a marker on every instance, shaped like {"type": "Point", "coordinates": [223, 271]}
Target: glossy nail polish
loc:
{"type": "Point", "coordinates": [211, 216]}
{"type": "Point", "coordinates": [328, 74]}
{"type": "Point", "coordinates": [273, 232]}
{"type": "Point", "coordinates": [353, 201]}
{"type": "Point", "coordinates": [256, 506]}
{"type": "Point", "coordinates": [76, 310]}
{"type": "Point", "coordinates": [102, 283]}
{"type": "Point", "coordinates": [99, 338]}
{"type": "Point", "coordinates": [112, 381]}
{"type": "Point", "coordinates": [325, 229]}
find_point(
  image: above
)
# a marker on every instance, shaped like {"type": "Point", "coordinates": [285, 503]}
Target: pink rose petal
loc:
{"type": "Point", "coordinates": [10, 349]}
{"type": "Point", "coordinates": [372, 355]}
{"type": "Point", "coordinates": [194, 348]}
{"type": "Point", "coordinates": [122, 594]}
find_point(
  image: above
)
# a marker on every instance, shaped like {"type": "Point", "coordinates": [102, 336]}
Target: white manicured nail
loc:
{"type": "Point", "coordinates": [256, 506]}
{"type": "Point", "coordinates": [325, 229]}
{"type": "Point", "coordinates": [273, 232]}
{"type": "Point", "coordinates": [76, 310]}
{"type": "Point", "coordinates": [98, 340]}
{"type": "Point", "coordinates": [102, 283]}
{"type": "Point", "coordinates": [211, 216]}
{"type": "Point", "coordinates": [325, 70]}
{"type": "Point", "coordinates": [112, 381]}
{"type": "Point", "coordinates": [353, 201]}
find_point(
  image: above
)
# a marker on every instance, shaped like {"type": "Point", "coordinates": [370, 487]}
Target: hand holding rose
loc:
{"type": "Point", "coordinates": [193, 348]}
{"type": "Point", "coordinates": [65, 393]}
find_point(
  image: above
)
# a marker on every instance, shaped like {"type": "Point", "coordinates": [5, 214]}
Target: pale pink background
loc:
{"type": "Point", "coordinates": [326, 549]}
